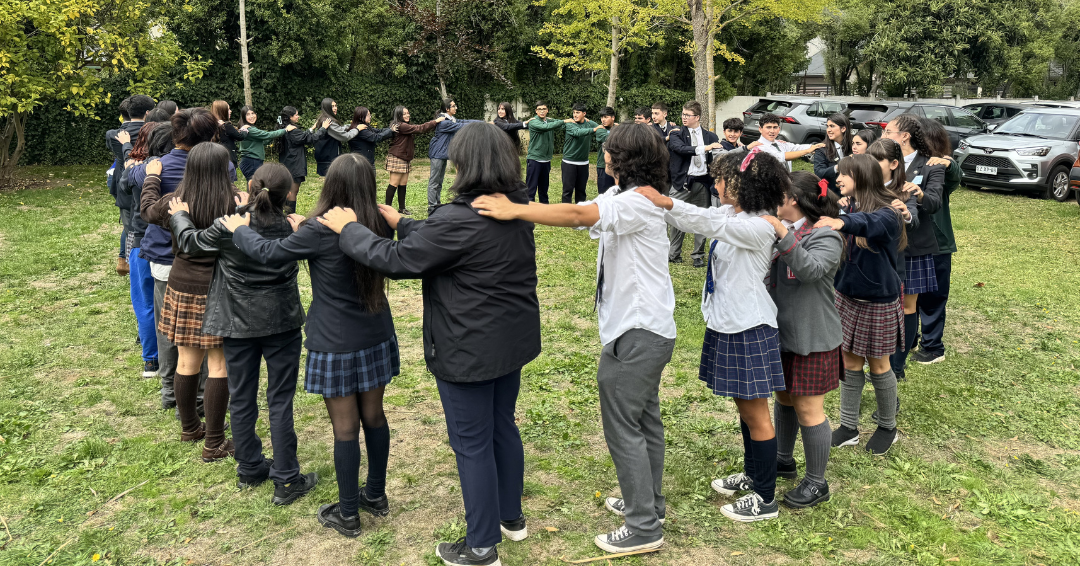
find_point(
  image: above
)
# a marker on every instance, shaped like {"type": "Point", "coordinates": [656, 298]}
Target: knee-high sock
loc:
{"type": "Point", "coordinates": [377, 441]}
{"type": "Point", "coordinates": [347, 469]}
{"type": "Point", "coordinates": [851, 397]}
{"type": "Point", "coordinates": [216, 405]}
{"type": "Point", "coordinates": [817, 440]}
{"type": "Point", "coordinates": [748, 455]}
{"type": "Point", "coordinates": [390, 190]}
{"type": "Point", "coordinates": [186, 390]}
{"type": "Point", "coordinates": [401, 197]}
{"type": "Point", "coordinates": [764, 467]}
{"type": "Point", "coordinates": [885, 392]}
{"type": "Point", "coordinates": [898, 361]}
{"type": "Point", "coordinates": [787, 429]}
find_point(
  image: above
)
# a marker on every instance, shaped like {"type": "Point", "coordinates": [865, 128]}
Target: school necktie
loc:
{"type": "Point", "coordinates": [600, 278]}
{"type": "Point", "coordinates": [694, 143]}
{"type": "Point", "coordinates": [709, 285]}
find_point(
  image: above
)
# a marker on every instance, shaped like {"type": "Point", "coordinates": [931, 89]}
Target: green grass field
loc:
{"type": "Point", "coordinates": [987, 471]}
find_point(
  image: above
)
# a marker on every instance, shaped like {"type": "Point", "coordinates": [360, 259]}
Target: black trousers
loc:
{"type": "Point", "coordinates": [537, 179]}
{"type": "Point", "coordinates": [242, 358]}
{"type": "Point", "coordinates": [574, 180]}
{"type": "Point", "coordinates": [603, 181]}
{"type": "Point", "coordinates": [932, 306]}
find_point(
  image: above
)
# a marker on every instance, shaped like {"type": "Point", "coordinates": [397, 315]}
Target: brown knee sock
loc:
{"type": "Point", "coordinates": [216, 404]}
{"type": "Point", "coordinates": [401, 197]}
{"type": "Point", "coordinates": [186, 389]}
{"type": "Point", "coordinates": [390, 190]}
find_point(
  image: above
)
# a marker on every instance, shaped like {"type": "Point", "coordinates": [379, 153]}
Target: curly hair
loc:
{"type": "Point", "coordinates": [761, 187]}
{"type": "Point", "coordinates": [638, 157]}
{"type": "Point", "coordinates": [909, 123]}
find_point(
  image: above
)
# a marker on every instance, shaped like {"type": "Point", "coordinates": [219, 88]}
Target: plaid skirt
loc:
{"type": "Point", "coordinates": [397, 165]}
{"type": "Point", "coordinates": [815, 374]}
{"type": "Point", "coordinates": [871, 330]}
{"type": "Point", "coordinates": [181, 320]}
{"type": "Point", "coordinates": [333, 374]}
{"type": "Point", "coordinates": [920, 276]}
{"type": "Point", "coordinates": [745, 365]}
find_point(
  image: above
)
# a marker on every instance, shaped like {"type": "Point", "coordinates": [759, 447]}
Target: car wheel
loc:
{"type": "Point", "coordinates": [1057, 184]}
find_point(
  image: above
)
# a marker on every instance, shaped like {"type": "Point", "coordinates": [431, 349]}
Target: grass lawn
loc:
{"type": "Point", "coordinates": [987, 471]}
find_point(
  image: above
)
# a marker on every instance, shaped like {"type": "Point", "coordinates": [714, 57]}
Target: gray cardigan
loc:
{"type": "Point", "coordinates": [801, 285]}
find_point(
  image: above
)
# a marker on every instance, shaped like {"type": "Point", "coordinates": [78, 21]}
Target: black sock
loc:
{"type": "Point", "coordinates": [748, 455]}
{"type": "Point", "coordinates": [217, 405]}
{"type": "Point", "coordinates": [764, 468]}
{"type": "Point", "coordinates": [390, 190]}
{"type": "Point", "coordinates": [898, 361]}
{"type": "Point", "coordinates": [377, 441]}
{"type": "Point", "coordinates": [401, 197]}
{"type": "Point", "coordinates": [347, 468]}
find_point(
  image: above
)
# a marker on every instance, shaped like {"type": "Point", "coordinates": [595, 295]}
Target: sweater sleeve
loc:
{"type": "Point", "coordinates": [509, 126]}
{"type": "Point", "coordinates": [339, 133]}
{"type": "Point", "coordinates": [430, 249]}
{"type": "Point", "coordinates": [575, 130]}
{"type": "Point", "coordinates": [933, 187]}
{"type": "Point", "coordinates": [302, 244]}
{"type": "Point", "coordinates": [745, 233]}
{"type": "Point", "coordinates": [234, 134]}
{"type": "Point", "coordinates": [408, 129]}
{"type": "Point", "coordinates": [192, 241]}
{"type": "Point", "coordinates": [255, 134]}
{"type": "Point", "coordinates": [151, 195]}
{"type": "Point", "coordinates": [814, 257]}
{"type": "Point", "coordinates": [549, 126]}
{"type": "Point", "coordinates": [880, 226]}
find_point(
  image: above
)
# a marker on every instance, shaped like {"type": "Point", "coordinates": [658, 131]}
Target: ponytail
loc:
{"type": "Point", "coordinates": [268, 187]}
{"type": "Point", "coordinates": [285, 117]}
{"type": "Point", "coordinates": [813, 196]}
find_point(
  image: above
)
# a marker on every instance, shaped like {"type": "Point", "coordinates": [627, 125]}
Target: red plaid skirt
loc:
{"type": "Point", "coordinates": [815, 374]}
{"type": "Point", "coordinates": [871, 330]}
{"type": "Point", "coordinates": [181, 320]}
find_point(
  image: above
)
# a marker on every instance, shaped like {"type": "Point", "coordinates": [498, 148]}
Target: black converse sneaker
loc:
{"type": "Point", "coordinates": [807, 494]}
{"type": "Point", "coordinates": [331, 518]}
{"type": "Point", "coordinates": [923, 357]}
{"type": "Point", "coordinates": [286, 493]}
{"type": "Point", "coordinates": [733, 484]}
{"type": "Point", "coordinates": [377, 506]}
{"type": "Point", "coordinates": [749, 508]}
{"type": "Point", "coordinates": [246, 482]}
{"type": "Point", "coordinates": [515, 530]}
{"type": "Point", "coordinates": [618, 506]}
{"type": "Point", "coordinates": [460, 554]}
{"type": "Point", "coordinates": [881, 441]}
{"type": "Point", "coordinates": [622, 540]}
{"type": "Point", "coordinates": [786, 470]}
{"type": "Point", "coordinates": [844, 436]}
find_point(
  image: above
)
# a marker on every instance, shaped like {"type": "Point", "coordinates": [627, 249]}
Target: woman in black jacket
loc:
{"type": "Point", "coordinates": [256, 309]}
{"type": "Point", "coordinates": [363, 142]}
{"type": "Point", "coordinates": [229, 135]}
{"type": "Point", "coordinates": [293, 152]}
{"type": "Point", "coordinates": [509, 124]}
{"type": "Point", "coordinates": [481, 325]}
{"type": "Point", "coordinates": [352, 348]}
{"type": "Point", "coordinates": [838, 130]}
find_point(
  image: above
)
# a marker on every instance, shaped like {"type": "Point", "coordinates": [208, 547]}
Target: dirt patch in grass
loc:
{"type": "Point", "coordinates": [969, 329]}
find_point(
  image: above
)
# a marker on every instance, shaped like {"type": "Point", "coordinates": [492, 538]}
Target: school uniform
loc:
{"type": "Point", "coordinates": [122, 200]}
{"type": "Point", "coordinates": [665, 130]}
{"type": "Point", "coordinates": [826, 168]}
{"type": "Point", "coordinates": [690, 182]}
{"type": "Point", "coordinates": [538, 158]}
{"type": "Point", "coordinates": [252, 149]}
{"type": "Point", "coordinates": [227, 138]}
{"type": "Point", "coordinates": [932, 304]}
{"type": "Point", "coordinates": [603, 180]}
{"type": "Point", "coordinates": [575, 161]}
{"type": "Point", "coordinates": [364, 141]}
{"type": "Point", "coordinates": [293, 154]}
{"type": "Point", "coordinates": [922, 239]}
{"type": "Point", "coordinates": [779, 147]}
{"type": "Point", "coordinates": [439, 154]}
{"type": "Point", "coordinates": [511, 129]}
{"type": "Point", "coordinates": [328, 148]}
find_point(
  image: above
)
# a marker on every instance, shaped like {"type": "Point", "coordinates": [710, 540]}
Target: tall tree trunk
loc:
{"type": "Point", "coordinates": [701, 26]}
{"type": "Point", "coordinates": [439, 69]}
{"type": "Point", "coordinates": [709, 110]}
{"type": "Point", "coordinates": [244, 66]}
{"type": "Point", "coordinates": [14, 126]}
{"type": "Point", "coordinates": [613, 73]}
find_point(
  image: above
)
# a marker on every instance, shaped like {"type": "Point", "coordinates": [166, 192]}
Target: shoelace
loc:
{"type": "Point", "coordinates": [622, 533]}
{"type": "Point", "coordinates": [459, 546]}
{"type": "Point", "coordinates": [753, 501]}
{"type": "Point", "coordinates": [737, 479]}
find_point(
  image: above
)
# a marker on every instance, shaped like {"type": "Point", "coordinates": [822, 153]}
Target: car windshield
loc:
{"type": "Point", "coordinates": [1053, 126]}
{"type": "Point", "coordinates": [778, 107]}
{"type": "Point", "coordinates": [866, 113]}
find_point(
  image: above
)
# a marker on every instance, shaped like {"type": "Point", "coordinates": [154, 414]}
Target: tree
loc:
{"type": "Point", "coordinates": [58, 51]}
{"type": "Point", "coordinates": [589, 35]}
{"type": "Point", "coordinates": [245, 67]}
{"type": "Point", "coordinates": [847, 29]}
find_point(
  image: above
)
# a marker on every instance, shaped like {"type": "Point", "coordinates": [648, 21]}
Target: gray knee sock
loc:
{"type": "Point", "coordinates": [885, 392]}
{"type": "Point", "coordinates": [787, 428]}
{"type": "Point", "coordinates": [816, 441]}
{"type": "Point", "coordinates": [851, 397]}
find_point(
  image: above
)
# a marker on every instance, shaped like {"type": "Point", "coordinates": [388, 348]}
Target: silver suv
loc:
{"type": "Point", "coordinates": [1033, 151]}
{"type": "Point", "coordinates": [802, 119]}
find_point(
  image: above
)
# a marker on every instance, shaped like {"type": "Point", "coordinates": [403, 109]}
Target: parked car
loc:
{"type": "Point", "coordinates": [1052, 104]}
{"type": "Point", "coordinates": [1031, 152]}
{"type": "Point", "coordinates": [1074, 179]}
{"type": "Point", "coordinates": [802, 118]}
{"type": "Point", "coordinates": [995, 113]}
{"type": "Point", "coordinates": [959, 122]}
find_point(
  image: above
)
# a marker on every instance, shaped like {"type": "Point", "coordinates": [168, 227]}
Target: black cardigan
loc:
{"type": "Point", "coordinates": [294, 151]}
{"type": "Point", "coordinates": [365, 140]}
{"type": "Point", "coordinates": [511, 129]}
{"type": "Point", "coordinates": [228, 136]}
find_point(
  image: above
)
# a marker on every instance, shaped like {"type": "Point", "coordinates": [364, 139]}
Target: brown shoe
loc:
{"type": "Point", "coordinates": [214, 454]}
{"type": "Point", "coordinates": [194, 435]}
{"type": "Point", "coordinates": [122, 267]}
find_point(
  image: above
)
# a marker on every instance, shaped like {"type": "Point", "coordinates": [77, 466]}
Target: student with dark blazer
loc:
{"type": "Point", "coordinates": [229, 135]}
{"type": "Point", "coordinates": [366, 137]}
{"type": "Point", "coordinates": [293, 153]}
{"type": "Point", "coordinates": [691, 154]}
{"type": "Point", "coordinates": [444, 134]}
{"type": "Point", "coordinates": [328, 147]}
{"type": "Point", "coordinates": [137, 108]}
{"type": "Point", "coordinates": [838, 130]}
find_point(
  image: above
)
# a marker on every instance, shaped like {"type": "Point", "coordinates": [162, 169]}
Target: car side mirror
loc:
{"type": "Point", "coordinates": [991, 127]}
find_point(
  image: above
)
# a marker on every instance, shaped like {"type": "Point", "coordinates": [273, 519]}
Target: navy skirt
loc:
{"type": "Point", "coordinates": [746, 365]}
{"type": "Point", "coordinates": [335, 374]}
{"type": "Point", "coordinates": [920, 276]}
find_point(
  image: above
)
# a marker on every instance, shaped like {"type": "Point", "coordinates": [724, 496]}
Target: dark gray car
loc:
{"type": "Point", "coordinates": [802, 119]}
{"type": "Point", "coordinates": [959, 122]}
{"type": "Point", "coordinates": [995, 113]}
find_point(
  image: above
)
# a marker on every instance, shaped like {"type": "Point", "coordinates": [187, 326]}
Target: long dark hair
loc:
{"type": "Point", "coordinates": [909, 123]}
{"type": "Point", "coordinates": [285, 117]}
{"type": "Point", "coordinates": [886, 149]}
{"type": "Point", "coordinates": [841, 120]}
{"type": "Point", "coordinates": [638, 157]}
{"type": "Point", "coordinates": [936, 138]}
{"type": "Point", "coordinates": [868, 136]}
{"type": "Point", "coordinates": [399, 115]}
{"type": "Point", "coordinates": [268, 187]}
{"type": "Point", "coordinates": [509, 112]}
{"type": "Point", "coordinates": [812, 201]}
{"type": "Point", "coordinates": [206, 186]}
{"type": "Point", "coordinates": [243, 115]}
{"type": "Point", "coordinates": [350, 183]}
{"type": "Point", "coordinates": [326, 111]}
{"type": "Point", "coordinates": [193, 126]}
{"type": "Point", "coordinates": [870, 192]}
{"type": "Point", "coordinates": [359, 116]}
{"type": "Point", "coordinates": [140, 149]}
{"type": "Point", "coordinates": [486, 161]}
{"type": "Point", "coordinates": [160, 141]}
{"type": "Point", "coordinates": [761, 186]}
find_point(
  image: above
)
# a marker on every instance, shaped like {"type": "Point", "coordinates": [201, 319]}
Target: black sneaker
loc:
{"type": "Point", "coordinates": [733, 484]}
{"type": "Point", "coordinates": [786, 470]}
{"type": "Point", "coordinates": [377, 506]}
{"type": "Point", "coordinates": [807, 494]}
{"type": "Point", "coordinates": [844, 436]}
{"type": "Point", "coordinates": [246, 482]}
{"type": "Point", "coordinates": [874, 416]}
{"type": "Point", "coordinates": [881, 441]}
{"type": "Point", "coordinates": [150, 368]}
{"type": "Point", "coordinates": [924, 357]}
{"type": "Point", "coordinates": [699, 263]}
{"type": "Point", "coordinates": [676, 260]}
{"type": "Point", "coordinates": [459, 554]}
{"type": "Point", "coordinates": [330, 517]}
{"type": "Point", "coordinates": [622, 540]}
{"type": "Point", "coordinates": [286, 493]}
{"type": "Point", "coordinates": [515, 530]}
{"type": "Point", "coordinates": [617, 505]}
{"type": "Point", "coordinates": [901, 374]}
{"type": "Point", "coordinates": [749, 508]}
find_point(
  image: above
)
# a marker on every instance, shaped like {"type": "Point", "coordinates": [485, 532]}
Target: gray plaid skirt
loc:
{"type": "Point", "coordinates": [335, 374]}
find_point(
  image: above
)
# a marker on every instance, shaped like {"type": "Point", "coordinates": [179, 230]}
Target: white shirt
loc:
{"type": "Point", "coordinates": [160, 271]}
{"type": "Point", "coordinates": [637, 290]}
{"type": "Point", "coordinates": [698, 141]}
{"type": "Point", "coordinates": [740, 260]}
{"type": "Point", "coordinates": [780, 148]}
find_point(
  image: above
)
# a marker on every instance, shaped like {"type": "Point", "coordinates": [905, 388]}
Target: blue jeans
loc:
{"type": "Point", "coordinates": [142, 300]}
{"type": "Point", "coordinates": [248, 166]}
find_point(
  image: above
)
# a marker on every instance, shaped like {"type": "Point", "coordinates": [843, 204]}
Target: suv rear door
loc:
{"type": "Point", "coordinates": [966, 124]}
{"type": "Point", "coordinates": [941, 114]}
{"type": "Point", "coordinates": [763, 106]}
{"type": "Point", "coordinates": [867, 114]}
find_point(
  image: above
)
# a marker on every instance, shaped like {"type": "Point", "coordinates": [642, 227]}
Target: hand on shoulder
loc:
{"type": "Point", "coordinates": [655, 197]}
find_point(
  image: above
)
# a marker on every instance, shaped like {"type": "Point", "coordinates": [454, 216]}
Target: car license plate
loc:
{"type": "Point", "coordinates": [986, 170]}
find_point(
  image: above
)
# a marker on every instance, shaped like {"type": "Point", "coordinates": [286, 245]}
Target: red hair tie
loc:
{"type": "Point", "coordinates": [824, 185]}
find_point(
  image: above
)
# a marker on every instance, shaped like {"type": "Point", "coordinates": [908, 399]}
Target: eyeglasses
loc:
{"type": "Point", "coordinates": [890, 132]}
{"type": "Point", "coordinates": [685, 115]}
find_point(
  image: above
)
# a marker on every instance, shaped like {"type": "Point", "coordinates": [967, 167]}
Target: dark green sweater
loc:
{"type": "Point", "coordinates": [578, 141]}
{"type": "Point", "coordinates": [542, 138]}
{"type": "Point", "coordinates": [254, 145]}
{"type": "Point", "coordinates": [943, 218]}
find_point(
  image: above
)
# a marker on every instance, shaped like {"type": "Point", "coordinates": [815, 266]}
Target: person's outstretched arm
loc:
{"type": "Point", "coordinates": [499, 207]}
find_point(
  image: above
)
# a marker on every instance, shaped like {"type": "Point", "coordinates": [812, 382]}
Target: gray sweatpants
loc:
{"type": "Point", "coordinates": [168, 356]}
{"type": "Point", "coordinates": [696, 193]}
{"type": "Point", "coordinates": [629, 381]}
{"type": "Point", "coordinates": [434, 184]}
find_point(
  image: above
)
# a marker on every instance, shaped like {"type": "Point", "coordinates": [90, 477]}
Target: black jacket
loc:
{"type": "Point", "coordinates": [228, 135]}
{"type": "Point", "coordinates": [132, 128]}
{"type": "Point", "coordinates": [922, 240]}
{"type": "Point", "coordinates": [337, 320]}
{"type": "Point", "coordinates": [365, 140]}
{"type": "Point", "coordinates": [293, 153]}
{"type": "Point", "coordinates": [511, 129]}
{"type": "Point", "coordinates": [481, 314]}
{"type": "Point", "coordinates": [682, 153]}
{"type": "Point", "coordinates": [825, 168]}
{"type": "Point", "coordinates": [247, 299]}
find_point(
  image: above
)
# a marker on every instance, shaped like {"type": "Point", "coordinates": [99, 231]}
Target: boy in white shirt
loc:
{"type": "Point", "coordinates": [786, 152]}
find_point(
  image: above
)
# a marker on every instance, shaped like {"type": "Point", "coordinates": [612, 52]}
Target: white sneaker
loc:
{"type": "Point", "coordinates": [733, 484]}
{"type": "Point", "coordinates": [618, 506]}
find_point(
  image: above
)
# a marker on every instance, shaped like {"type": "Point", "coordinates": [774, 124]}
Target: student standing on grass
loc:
{"type": "Point", "coordinates": [293, 153]}
{"type": "Point", "coordinates": [541, 146]}
{"type": "Point", "coordinates": [328, 147]}
{"type": "Point", "coordinates": [601, 132]}
{"type": "Point", "coordinates": [363, 142]}
{"type": "Point", "coordinates": [111, 179]}
{"type": "Point", "coordinates": [740, 357]}
{"type": "Point", "coordinates": [437, 150]}
{"type": "Point", "coordinates": [575, 159]}
{"type": "Point", "coordinates": [643, 115]}
{"type": "Point", "coordinates": [691, 153]}
{"type": "Point", "coordinates": [868, 299]}
{"type": "Point", "coordinates": [402, 150]}
{"type": "Point", "coordinates": [481, 325]}
{"type": "Point", "coordinates": [256, 310]}
{"type": "Point", "coordinates": [635, 303]}
{"type": "Point", "coordinates": [137, 108]}
{"type": "Point", "coordinates": [506, 122]}
{"type": "Point", "coordinates": [206, 187]}
{"type": "Point", "coordinates": [786, 152]}
{"type": "Point", "coordinates": [352, 347]}
{"type": "Point", "coordinates": [838, 145]}
{"type": "Point", "coordinates": [800, 282]}
{"type": "Point", "coordinates": [252, 149]}
{"type": "Point", "coordinates": [228, 135]}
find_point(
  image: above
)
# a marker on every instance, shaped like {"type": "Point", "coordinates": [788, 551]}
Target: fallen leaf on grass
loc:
{"type": "Point", "coordinates": [551, 529]}
{"type": "Point", "coordinates": [737, 553]}
{"type": "Point", "coordinates": [936, 502]}
{"type": "Point", "coordinates": [980, 284]}
{"type": "Point", "coordinates": [953, 559]}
